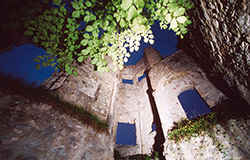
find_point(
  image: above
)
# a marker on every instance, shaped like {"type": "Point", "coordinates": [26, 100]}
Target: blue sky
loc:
{"type": "Point", "coordinates": [19, 61]}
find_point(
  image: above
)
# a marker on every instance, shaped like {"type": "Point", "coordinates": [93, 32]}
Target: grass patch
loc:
{"type": "Point", "coordinates": [17, 86]}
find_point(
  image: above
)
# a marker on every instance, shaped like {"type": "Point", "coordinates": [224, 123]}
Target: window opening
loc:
{"type": "Point", "coordinates": [193, 104]}
{"type": "Point", "coordinates": [126, 134]}
{"type": "Point", "coordinates": [153, 127]}
{"type": "Point", "coordinates": [141, 77]}
{"type": "Point", "coordinates": [127, 81]}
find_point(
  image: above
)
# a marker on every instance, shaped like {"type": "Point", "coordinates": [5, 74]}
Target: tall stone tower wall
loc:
{"type": "Point", "coordinates": [169, 77]}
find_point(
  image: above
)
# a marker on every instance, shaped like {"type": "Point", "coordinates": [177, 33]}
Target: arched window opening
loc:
{"type": "Point", "coordinates": [126, 134]}
{"type": "Point", "coordinates": [141, 77]}
{"type": "Point", "coordinates": [127, 81]}
{"type": "Point", "coordinates": [193, 104]}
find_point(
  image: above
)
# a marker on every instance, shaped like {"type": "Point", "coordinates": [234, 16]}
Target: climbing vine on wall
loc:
{"type": "Point", "coordinates": [73, 30]}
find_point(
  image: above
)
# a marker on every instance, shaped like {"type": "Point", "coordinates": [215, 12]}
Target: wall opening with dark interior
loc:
{"type": "Point", "coordinates": [153, 127]}
{"type": "Point", "coordinates": [127, 81]}
{"type": "Point", "coordinates": [193, 104]}
{"type": "Point", "coordinates": [141, 77]}
{"type": "Point", "coordinates": [126, 134]}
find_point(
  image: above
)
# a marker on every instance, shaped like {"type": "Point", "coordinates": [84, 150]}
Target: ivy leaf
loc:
{"type": "Point", "coordinates": [168, 18]}
{"type": "Point", "coordinates": [80, 59]}
{"type": "Point", "coordinates": [36, 60]}
{"type": "Point", "coordinates": [180, 11]}
{"type": "Point", "coordinates": [181, 19]}
{"type": "Point", "coordinates": [76, 14]}
{"type": "Point", "coordinates": [87, 18]}
{"type": "Point", "coordinates": [55, 11]}
{"type": "Point", "coordinates": [125, 60]}
{"type": "Point", "coordinates": [75, 5]}
{"type": "Point", "coordinates": [173, 24]}
{"type": "Point", "coordinates": [31, 28]}
{"type": "Point", "coordinates": [57, 2]}
{"type": "Point", "coordinates": [95, 34]}
{"type": "Point", "coordinates": [189, 22]}
{"type": "Point", "coordinates": [88, 4]}
{"type": "Point", "coordinates": [89, 28]}
{"type": "Point", "coordinates": [151, 41]}
{"type": "Point", "coordinates": [35, 39]}
{"type": "Point", "coordinates": [94, 61]}
{"type": "Point", "coordinates": [86, 35]}
{"type": "Point", "coordinates": [126, 4]}
{"type": "Point", "coordinates": [53, 64]}
{"type": "Point", "coordinates": [71, 48]}
{"type": "Point", "coordinates": [44, 64]}
{"type": "Point", "coordinates": [38, 66]}
{"type": "Point", "coordinates": [85, 52]}
{"type": "Point", "coordinates": [52, 37]}
{"type": "Point", "coordinates": [28, 33]}
{"type": "Point", "coordinates": [84, 42]}
{"type": "Point", "coordinates": [48, 18]}
{"type": "Point", "coordinates": [122, 23]}
{"type": "Point", "coordinates": [132, 13]}
{"type": "Point", "coordinates": [41, 57]}
{"type": "Point", "coordinates": [139, 3]}
{"type": "Point", "coordinates": [69, 71]}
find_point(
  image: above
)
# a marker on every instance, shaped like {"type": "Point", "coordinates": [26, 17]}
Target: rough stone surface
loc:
{"type": "Point", "coordinates": [169, 77]}
{"type": "Point", "coordinates": [233, 141]}
{"type": "Point", "coordinates": [35, 131]}
{"type": "Point", "coordinates": [218, 40]}
{"type": "Point", "coordinates": [90, 89]}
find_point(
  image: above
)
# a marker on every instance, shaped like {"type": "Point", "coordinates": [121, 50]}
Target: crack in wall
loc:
{"type": "Point", "coordinates": [159, 137]}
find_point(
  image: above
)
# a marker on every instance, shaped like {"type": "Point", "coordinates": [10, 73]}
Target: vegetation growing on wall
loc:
{"type": "Point", "coordinates": [16, 86]}
{"type": "Point", "coordinates": [72, 30]}
{"type": "Point", "coordinates": [222, 113]}
{"type": "Point", "coordinates": [186, 129]}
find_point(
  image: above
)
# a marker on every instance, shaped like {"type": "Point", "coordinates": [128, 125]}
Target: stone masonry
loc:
{"type": "Point", "coordinates": [36, 131]}
{"type": "Point", "coordinates": [106, 96]}
{"type": "Point", "coordinates": [219, 41]}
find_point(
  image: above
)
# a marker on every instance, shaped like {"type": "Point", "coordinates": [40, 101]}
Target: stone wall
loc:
{"type": "Point", "coordinates": [232, 142]}
{"type": "Point", "coordinates": [169, 77]}
{"type": "Point", "coordinates": [35, 131]}
{"type": "Point", "coordinates": [90, 89]}
{"type": "Point", "coordinates": [174, 75]}
{"type": "Point", "coordinates": [218, 39]}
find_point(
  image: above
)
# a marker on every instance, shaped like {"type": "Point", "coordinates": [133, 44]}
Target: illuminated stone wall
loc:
{"type": "Point", "coordinates": [169, 77]}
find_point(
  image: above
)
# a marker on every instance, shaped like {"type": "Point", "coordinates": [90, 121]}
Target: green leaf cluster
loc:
{"type": "Point", "coordinates": [76, 30]}
{"type": "Point", "coordinates": [186, 129]}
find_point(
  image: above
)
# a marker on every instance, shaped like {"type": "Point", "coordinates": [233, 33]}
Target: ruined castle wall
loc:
{"type": "Point", "coordinates": [33, 130]}
{"type": "Point", "coordinates": [169, 78]}
{"type": "Point", "coordinates": [90, 89]}
{"type": "Point", "coordinates": [132, 106]}
{"type": "Point", "coordinates": [218, 39]}
{"type": "Point", "coordinates": [174, 75]}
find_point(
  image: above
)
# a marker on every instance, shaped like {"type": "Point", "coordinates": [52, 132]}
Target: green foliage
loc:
{"type": "Point", "coordinates": [193, 128]}
{"type": "Point", "coordinates": [76, 30]}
